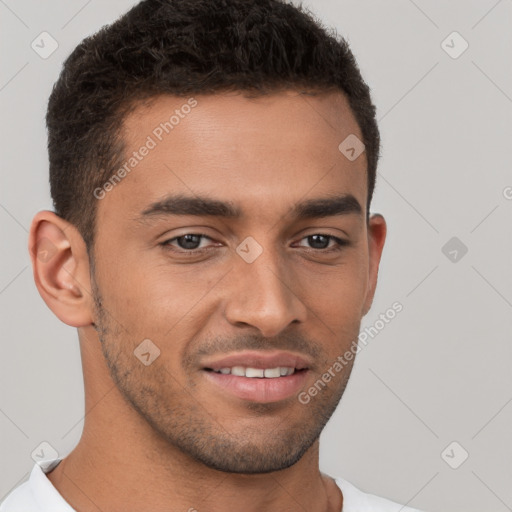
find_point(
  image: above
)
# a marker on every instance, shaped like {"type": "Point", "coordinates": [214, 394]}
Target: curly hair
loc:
{"type": "Point", "coordinates": [180, 48]}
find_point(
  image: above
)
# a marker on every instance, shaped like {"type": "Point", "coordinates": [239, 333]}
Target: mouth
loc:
{"type": "Point", "coordinates": [258, 373]}
{"type": "Point", "coordinates": [257, 377]}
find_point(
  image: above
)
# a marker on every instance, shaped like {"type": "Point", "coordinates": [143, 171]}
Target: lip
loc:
{"type": "Point", "coordinates": [256, 389]}
{"type": "Point", "coordinates": [259, 359]}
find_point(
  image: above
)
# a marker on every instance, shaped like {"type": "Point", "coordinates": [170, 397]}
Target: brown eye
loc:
{"type": "Point", "coordinates": [321, 242]}
{"type": "Point", "coordinates": [187, 242]}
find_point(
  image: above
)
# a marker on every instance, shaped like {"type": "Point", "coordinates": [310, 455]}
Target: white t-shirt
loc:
{"type": "Point", "coordinates": [38, 494]}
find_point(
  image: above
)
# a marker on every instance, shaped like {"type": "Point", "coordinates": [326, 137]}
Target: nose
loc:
{"type": "Point", "coordinates": [264, 295]}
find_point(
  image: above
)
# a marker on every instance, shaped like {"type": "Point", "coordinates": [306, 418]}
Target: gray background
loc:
{"type": "Point", "coordinates": [440, 370]}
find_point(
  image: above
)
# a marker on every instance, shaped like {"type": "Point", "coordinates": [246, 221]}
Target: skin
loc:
{"type": "Point", "coordinates": [161, 437]}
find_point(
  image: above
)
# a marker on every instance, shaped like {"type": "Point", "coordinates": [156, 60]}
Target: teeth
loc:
{"type": "Point", "coordinates": [272, 373]}
{"type": "Point", "coordinates": [238, 370]}
{"type": "Point", "coordinates": [269, 373]}
{"type": "Point", "coordinates": [254, 372]}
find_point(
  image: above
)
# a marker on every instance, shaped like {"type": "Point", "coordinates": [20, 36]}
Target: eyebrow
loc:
{"type": "Point", "coordinates": [208, 207]}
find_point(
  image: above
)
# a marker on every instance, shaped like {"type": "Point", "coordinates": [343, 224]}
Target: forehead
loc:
{"type": "Point", "coordinates": [260, 152]}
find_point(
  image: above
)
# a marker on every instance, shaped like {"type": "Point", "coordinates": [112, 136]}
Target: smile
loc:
{"type": "Point", "coordinates": [255, 386]}
{"type": "Point", "coordinates": [267, 373]}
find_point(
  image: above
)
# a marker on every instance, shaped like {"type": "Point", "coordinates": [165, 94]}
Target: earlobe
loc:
{"type": "Point", "coordinates": [61, 268]}
{"type": "Point", "coordinates": [376, 237]}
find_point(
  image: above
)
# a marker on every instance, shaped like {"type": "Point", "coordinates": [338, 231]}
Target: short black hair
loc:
{"type": "Point", "coordinates": [185, 47]}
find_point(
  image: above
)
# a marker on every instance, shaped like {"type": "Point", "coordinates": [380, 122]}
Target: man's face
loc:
{"type": "Point", "coordinates": [268, 282]}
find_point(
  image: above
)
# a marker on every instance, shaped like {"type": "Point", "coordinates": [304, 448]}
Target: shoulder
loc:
{"type": "Point", "coordinates": [355, 500]}
{"type": "Point", "coordinates": [20, 499]}
{"type": "Point", "coordinates": [37, 494]}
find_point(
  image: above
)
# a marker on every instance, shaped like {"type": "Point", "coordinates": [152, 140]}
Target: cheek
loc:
{"type": "Point", "coordinates": [159, 300]}
{"type": "Point", "coordinates": [341, 287]}
{"type": "Point", "coordinates": [337, 296]}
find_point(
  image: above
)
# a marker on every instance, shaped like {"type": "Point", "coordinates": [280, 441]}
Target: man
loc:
{"type": "Point", "coordinates": [212, 166]}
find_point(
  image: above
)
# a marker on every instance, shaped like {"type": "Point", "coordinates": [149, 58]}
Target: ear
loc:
{"type": "Point", "coordinates": [61, 268]}
{"type": "Point", "coordinates": [376, 237]}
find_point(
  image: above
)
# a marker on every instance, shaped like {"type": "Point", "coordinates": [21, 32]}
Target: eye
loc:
{"type": "Point", "coordinates": [320, 242]}
{"type": "Point", "coordinates": [188, 243]}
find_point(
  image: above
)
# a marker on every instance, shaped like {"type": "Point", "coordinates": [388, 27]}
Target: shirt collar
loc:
{"type": "Point", "coordinates": [43, 491]}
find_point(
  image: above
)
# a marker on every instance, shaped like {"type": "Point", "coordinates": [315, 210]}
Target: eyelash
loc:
{"type": "Point", "coordinates": [340, 244]}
